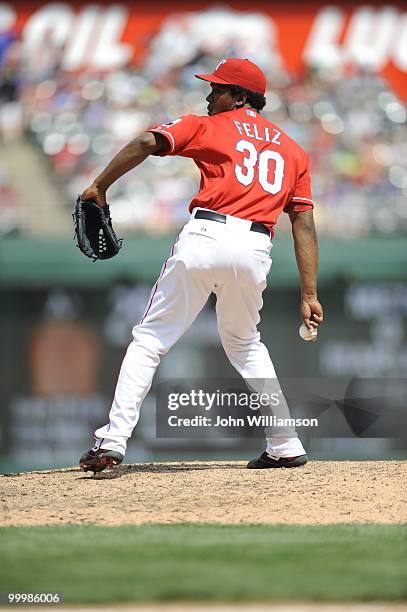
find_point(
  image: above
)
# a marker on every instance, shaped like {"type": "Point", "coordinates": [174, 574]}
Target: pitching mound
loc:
{"type": "Point", "coordinates": [209, 492]}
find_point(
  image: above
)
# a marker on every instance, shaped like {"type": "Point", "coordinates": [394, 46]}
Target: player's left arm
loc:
{"type": "Point", "coordinates": [306, 253]}
{"type": "Point", "coordinates": [132, 155]}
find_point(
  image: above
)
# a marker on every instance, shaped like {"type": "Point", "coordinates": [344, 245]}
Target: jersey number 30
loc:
{"type": "Point", "coordinates": [245, 174]}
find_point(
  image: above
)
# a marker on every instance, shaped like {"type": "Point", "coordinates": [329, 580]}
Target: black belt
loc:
{"type": "Point", "coordinates": [214, 216]}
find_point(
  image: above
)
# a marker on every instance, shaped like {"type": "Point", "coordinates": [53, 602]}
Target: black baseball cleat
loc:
{"type": "Point", "coordinates": [98, 460]}
{"type": "Point", "coordinates": [265, 461]}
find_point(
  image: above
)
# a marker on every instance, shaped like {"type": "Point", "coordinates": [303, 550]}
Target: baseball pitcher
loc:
{"type": "Point", "coordinates": [251, 172]}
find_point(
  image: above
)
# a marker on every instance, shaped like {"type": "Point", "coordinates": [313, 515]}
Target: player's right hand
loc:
{"type": "Point", "coordinates": [311, 312]}
{"type": "Point", "coordinates": [96, 194]}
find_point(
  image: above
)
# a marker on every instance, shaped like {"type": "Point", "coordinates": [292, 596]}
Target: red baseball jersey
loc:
{"type": "Point", "coordinates": [249, 167]}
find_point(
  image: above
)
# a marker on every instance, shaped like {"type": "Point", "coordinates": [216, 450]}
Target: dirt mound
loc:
{"type": "Point", "coordinates": [209, 492]}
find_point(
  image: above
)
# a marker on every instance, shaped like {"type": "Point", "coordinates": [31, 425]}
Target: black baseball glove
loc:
{"type": "Point", "coordinates": [94, 232]}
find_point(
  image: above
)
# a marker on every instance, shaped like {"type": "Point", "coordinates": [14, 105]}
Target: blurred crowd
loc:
{"type": "Point", "coordinates": [351, 123]}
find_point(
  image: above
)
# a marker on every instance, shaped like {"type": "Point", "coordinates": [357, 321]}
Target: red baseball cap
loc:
{"type": "Point", "coordinates": [237, 71]}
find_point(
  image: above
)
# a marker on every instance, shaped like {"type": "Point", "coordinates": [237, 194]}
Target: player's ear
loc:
{"type": "Point", "coordinates": [241, 99]}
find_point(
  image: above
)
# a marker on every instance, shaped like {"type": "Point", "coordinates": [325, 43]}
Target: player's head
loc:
{"type": "Point", "coordinates": [235, 83]}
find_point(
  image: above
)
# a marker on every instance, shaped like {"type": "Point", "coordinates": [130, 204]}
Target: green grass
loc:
{"type": "Point", "coordinates": [206, 562]}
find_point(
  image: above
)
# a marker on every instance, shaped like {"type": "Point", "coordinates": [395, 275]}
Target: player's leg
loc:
{"type": "Point", "coordinates": [176, 299]}
{"type": "Point", "coordinates": [239, 301]}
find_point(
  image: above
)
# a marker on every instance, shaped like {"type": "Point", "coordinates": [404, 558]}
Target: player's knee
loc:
{"type": "Point", "coordinates": [149, 344]}
{"type": "Point", "coordinates": [235, 344]}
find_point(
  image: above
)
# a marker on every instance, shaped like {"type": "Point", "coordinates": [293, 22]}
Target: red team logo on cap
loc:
{"type": "Point", "coordinates": [220, 64]}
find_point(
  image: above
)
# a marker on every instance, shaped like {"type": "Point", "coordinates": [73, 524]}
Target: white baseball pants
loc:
{"type": "Point", "coordinates": [229, 260]}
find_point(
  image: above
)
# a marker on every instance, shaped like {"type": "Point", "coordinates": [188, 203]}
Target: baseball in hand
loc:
{"type": "Point", "coordinates": [306, 334]}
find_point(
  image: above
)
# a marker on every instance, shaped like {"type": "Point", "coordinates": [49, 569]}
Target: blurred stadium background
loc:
{"type": "Point", "coordinates": [77, 81]}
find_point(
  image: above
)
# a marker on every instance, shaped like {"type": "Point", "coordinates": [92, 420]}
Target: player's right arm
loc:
{"type": "Point", "coordinates": [306, 253]}
{"type": "Point", "coordinates": [133, 154]}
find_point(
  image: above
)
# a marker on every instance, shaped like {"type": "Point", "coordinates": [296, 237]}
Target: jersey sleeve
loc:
{"type": "Point", "coordinates": [301, 200]}
{"type": "Point", "coordinates": [185, 136]}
